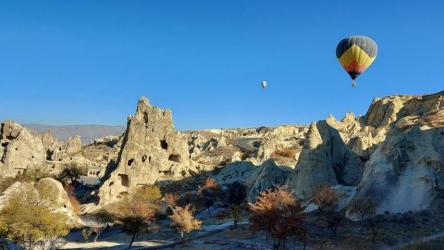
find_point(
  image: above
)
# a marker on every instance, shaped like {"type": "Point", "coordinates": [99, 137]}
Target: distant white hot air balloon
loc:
{"type": "Point", "coordinates": [264, 84]}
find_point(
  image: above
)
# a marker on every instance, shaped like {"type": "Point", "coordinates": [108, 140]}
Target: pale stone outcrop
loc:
{"type": "Point", "coordinates": [286, 137]}
{"type": "Point", "coordinates": [406, 170]}
{"type": "Point", "coordinates": [19, 149]}
{"type": "Point", "coordinates": [152, 150]}
{"type": "Point", "coordinates": [268, 175]}
{"type": "Point", "coordinates": [325, 159]}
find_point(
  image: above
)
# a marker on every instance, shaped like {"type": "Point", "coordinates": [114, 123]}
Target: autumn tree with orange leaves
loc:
{"type": "Point", "coordinates": [326, 199]}
{"type": "Point", "coordinates": [208, 193]}
{"type": "Point", "coordinates": [279, 214]}
{"type": "Point", "coordinates": [183, 220]}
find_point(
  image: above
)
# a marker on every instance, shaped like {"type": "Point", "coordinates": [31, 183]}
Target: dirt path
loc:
{"type": "Point", "coordinates": [118, 240]}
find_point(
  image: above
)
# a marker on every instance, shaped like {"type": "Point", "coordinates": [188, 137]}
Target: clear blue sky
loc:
{"type": "Point", "coordinates": [83, 62]}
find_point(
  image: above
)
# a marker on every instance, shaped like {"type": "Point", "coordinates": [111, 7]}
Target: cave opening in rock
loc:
{"type": "Point", "coordinates": [144, 158]}
{"type": "Point", "coordinates": [164, 144]}
{"type": "Point", "coordinates": [130, 162]}
{"type": "Point", "coordinates": [124, 180]}
{"type": "Point", "coordinates": [174, 157]}
{"type": "Point", "coordinates": [145, 118]}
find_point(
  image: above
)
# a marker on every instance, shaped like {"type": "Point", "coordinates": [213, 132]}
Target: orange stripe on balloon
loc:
{"type": "Point", "coordinates": [355, 67]}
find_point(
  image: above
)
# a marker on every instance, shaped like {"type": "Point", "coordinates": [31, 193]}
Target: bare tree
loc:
{"type": "Point", "coordinates": [365, 208]}
{"type": "Point", "coordinates": [138, 212]}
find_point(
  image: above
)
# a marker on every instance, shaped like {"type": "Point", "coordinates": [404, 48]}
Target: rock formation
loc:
{"type": "Point", "coordinates": [152, 150]}
{"type": "Point", "coordinates": [283, 144]}
{"type": "Point", "coordinates": [19, 149]}
{"type": "Point", "coordinates": [268, 175]}
{"type": "Point", "coordinates": [325, 159]}
{"type": "Point", "coordinates": [406, 170]}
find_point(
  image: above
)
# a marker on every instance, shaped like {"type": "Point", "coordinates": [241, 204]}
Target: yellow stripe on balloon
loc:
{"type": "Point", "coordinates": [356, 55]}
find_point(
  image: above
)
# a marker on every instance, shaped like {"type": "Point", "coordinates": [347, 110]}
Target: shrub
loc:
{"type": "Point", "coordinates": [284, 152]}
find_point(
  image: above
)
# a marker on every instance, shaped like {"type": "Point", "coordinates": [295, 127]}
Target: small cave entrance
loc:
{"type": "Point", "coordinates": [49, 154]}
{"type": "Point", "coordinates": [124, 180]}
{"type": "Point", "coordinates": [130, 162]}
{"type": "Point", "coordinates": [145, 118]}
{"type": "Point", "coordinates": [174, 157]}
{"type": "Point", "coordinates": [144, 157]}
{"type": "Point", "coordinates": [164, 144]}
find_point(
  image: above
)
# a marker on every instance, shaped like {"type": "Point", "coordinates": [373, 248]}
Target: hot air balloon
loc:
{"type": "Point", "coordinates": [264, 84]}
{"type": "Point", "coordinates": [356, 54]}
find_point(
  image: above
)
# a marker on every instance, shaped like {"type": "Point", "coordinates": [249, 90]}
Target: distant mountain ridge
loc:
{"type": "Point", "coordinates": [88, 132]}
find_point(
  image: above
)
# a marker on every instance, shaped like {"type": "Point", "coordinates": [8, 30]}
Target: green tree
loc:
{"type": "Point", "coordinates": [237, 193]}
{"type": "Point", "coordinates": [70, 175]}
{"type": "Point", "coordinates": [86, 233]}
{"type": "Point", "coordinates": [103, 219]}
{"type": "Point", "coordinates": [137, 212]}
{"type": "Point", "coordinates": [30, 220]}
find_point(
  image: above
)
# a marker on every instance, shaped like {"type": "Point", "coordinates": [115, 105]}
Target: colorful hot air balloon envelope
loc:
{"type": "Point", "coordinates": [264, 84]}
{"type": "Point", "coordinates": [356, 54]}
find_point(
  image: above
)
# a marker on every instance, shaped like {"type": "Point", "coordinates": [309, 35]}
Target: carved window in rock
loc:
{"type": "Point", "coordinates": [144, 157]}
{"type": "Point", "coordinates": [124, 180]}
{"type": "Point", "coordinates": [130, 162]}
{"type": "Point", "coordinates": [145, 118]}
{"type": "Point", "coordinates": [164, 144]}
{"type": "Point", "coordinates": [49, 154]}
{"type": "Point", "coordinates": [174, 157]}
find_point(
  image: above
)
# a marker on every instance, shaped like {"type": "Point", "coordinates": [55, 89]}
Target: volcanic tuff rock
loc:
{"type": "Point", "coordinates": [326, 159]}
{"type": "Point", "coordinates": [152, 150]}
{"type": "Point", "coordinates": [283, 144]}
{"type": "Point", "coordinates": [268, 175]}
{"type": "Point", "coordinates": [19, 149]}
{"type": "Point", "coordinates": [406, 170]}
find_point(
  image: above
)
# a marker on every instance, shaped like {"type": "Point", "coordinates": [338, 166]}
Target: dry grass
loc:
{"type": "Point", "coordinates": [73, 200]}
{"type": "Point", "coordinates": [285, 152]}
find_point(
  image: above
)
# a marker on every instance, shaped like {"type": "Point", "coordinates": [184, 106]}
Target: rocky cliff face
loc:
{"type": "Point", "coordinates": [405, 171]}
{"type": "Point", "coordinates": [152, 150]}
{"type": "Point", "coordinates": [19, 149]}
{"type": "Point", "coordinates": [394, 154]}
